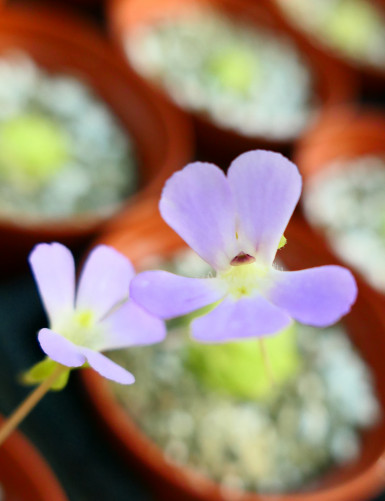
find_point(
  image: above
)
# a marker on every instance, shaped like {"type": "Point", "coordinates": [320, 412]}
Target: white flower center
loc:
{"type": "Point", "coordinates": [81, 329]}
{"type": "Point", "coordinates": [247, 275]}
{"type": "Point", "coordinates": [245, 279]}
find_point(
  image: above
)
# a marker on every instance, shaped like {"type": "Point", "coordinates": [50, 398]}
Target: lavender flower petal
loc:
{"type": "Point", "coordinates": [54, 270]}
{"type": "Point", "coordinates": [198, 204]}
{"type": "Point", "coordinates": [317, 296]}
{"type": "Point", "coordinates": [167, 295]}
{"type": "Point", "coordinates": [266, 187]}
{"type": "Point", "coordinates": [107, 368]}
{"type": "Point", "coordinates": [104, 281]}
{"type": "Point", "coordinates": [240, 318]}
{"type": "Point", "coordinates": [60, 349]}
{"type": "Point", "coordinates": [131, 325]}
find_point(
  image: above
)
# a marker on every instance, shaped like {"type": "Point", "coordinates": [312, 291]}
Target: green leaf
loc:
{"type": "Point", "coordinates": [42, 370]}
{"type": "Point", "coordinates": [238, 369]}
{"type": "Point", "coordinates": [282, 242]}
{"type": "Point", "coordinates": [185, 320]}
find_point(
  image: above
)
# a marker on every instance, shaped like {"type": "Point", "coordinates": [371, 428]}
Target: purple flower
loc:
{"type": "Point", "coordinates": [98, 316]}
{"type": "Point", "coordinates": [236, 224]}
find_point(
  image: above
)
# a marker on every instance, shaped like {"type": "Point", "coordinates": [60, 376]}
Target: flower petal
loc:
{"type": "Point", "coordinates": [54, 270]}
{"type": "Point", "coordinates": [317, 296]}
{"type": "Point", "coordinates": [266, 187]}
{"type": "Point", "coordinates": [131, 325]}
{"type": "Point", "coordinates": [107, 368]}
{"type": "Point", "coordinates": [236, 319]}
{"type": "Point", "coordinates": [104, 281]}
{"type": "Point", "coordinates": [167, 295]}
{"type": "Point", "coordinates": [60, 349]}
{"type": "Point", "coordinates": [198, 204]}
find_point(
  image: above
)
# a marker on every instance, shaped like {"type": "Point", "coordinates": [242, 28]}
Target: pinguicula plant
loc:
{"type": "Point", "coordinates": [353, 28]}
{"type": "Point", "coordinates": [236, 223]}
{"type": "Point", "coordinates": [56, 138]}
{"type": "Point", "coordinates": [97, 316]}
{"type": "Point", "coordinates": [242, 77]}
{"type": "Point", "coordinates": [228, 406]}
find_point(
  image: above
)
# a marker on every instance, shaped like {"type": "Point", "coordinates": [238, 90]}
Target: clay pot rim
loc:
{"type": "Point", "coordinates": [351, 130]}
{"type": "Point", "coordinates": [320, 67]}
{"type": "Point", "coordinates": [63, 27]}
{"type": "Point", "coordinates": [33, 467]}
{"type": "Point", "coordinates": [123, 428]}
{"type": "Point", "coordinates": [318, 45]}
{"type": "Point", "coordinates": [343, 134]}
{"type": "Point", "coordinates": [136, 444]}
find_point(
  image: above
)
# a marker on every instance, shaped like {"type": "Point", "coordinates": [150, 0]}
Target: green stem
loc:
{"type": "Point", "coordinates": [266, 362]}
{"type": "Point", "coordinates": [29, 403]}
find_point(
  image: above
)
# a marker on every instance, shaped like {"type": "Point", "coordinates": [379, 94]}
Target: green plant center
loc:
{"type": "Point", "coordinates": [238, 369]}
{"type": "Point", "coordinates": [351, 25]}
{"type": "Point", "coordinates": [234, 68]}
{"type": "Point", "coordinates": [33, 148]}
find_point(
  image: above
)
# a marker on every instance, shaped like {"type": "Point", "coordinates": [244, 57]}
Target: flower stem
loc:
{"type": "Point", "coordinates": [266, 362]}
{"type": "Point", "coordinates": [29, 403]}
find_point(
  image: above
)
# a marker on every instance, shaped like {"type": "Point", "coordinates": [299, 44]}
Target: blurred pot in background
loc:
{"type": "Point", "coordinates": [350, 33]}
{"type": "Point", "coordinates": [343, 163]}
{"type": "Point", "coordinates": [202, 422]}
{"type": "Point", "coordinates": [228, 64]}
{"type": "Point", "coordinates": [81, 140]}
{"type": "Point", "coordinates": [24, 475]}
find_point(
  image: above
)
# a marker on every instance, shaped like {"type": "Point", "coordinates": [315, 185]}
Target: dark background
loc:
{"type": "Point", "coordinates": [63, 426]}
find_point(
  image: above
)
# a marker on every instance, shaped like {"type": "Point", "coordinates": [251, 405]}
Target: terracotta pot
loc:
{"type": "Point", "coordinates": [365, 324]}
{"type": "Point", "coordinates": [369, 75]}
{"type": "Point", "coordinates": [162, 137]}
{"type": "Point", "coordinates": [333, 84]}
{"type": "Point", "coordinates": [342, 133]}
{"type": "Point", "coordinates": [24, 475]}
